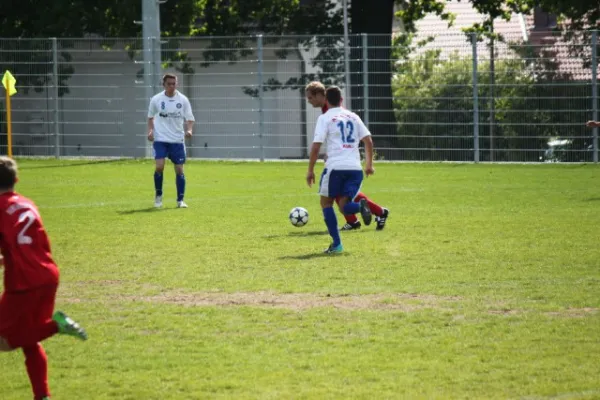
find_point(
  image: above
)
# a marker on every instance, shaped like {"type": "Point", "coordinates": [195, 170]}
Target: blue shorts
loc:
{"type": "Point", "coordinates": [173, 151]}
{"type": "Point", "coordinates": [344, 183]}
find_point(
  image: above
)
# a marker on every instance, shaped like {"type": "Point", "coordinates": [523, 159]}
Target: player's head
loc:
{"type": "Point", "coordinates": [333, 94]}
{"type": "Point", "coordinates": [315, 94]}
{"type": "Point", "coordinates": [169, 83]}
{"type": "Point", "coordinates": [8, 173]}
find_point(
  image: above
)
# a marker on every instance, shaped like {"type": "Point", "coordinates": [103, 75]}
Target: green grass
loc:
{"type": "Point", "coordinates": [484, 285]}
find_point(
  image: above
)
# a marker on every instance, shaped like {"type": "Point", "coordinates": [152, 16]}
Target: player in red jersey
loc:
{"type": "Point", "coordinates": [30, 283]}
{"type": "Point", "coordinates": [315, 95]}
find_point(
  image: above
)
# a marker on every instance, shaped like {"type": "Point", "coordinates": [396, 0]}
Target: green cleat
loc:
{"type": "Point", "coordinates": [334, 249]}
{"type": "Point", "coordinates": [67, 326]}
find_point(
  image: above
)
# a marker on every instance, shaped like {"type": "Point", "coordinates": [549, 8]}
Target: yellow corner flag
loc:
{"type": "Point", "coordinates": [9, 82]}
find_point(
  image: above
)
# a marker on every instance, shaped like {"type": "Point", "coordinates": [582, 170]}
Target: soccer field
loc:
{"type": "Point", "coordinates": [485, 284]}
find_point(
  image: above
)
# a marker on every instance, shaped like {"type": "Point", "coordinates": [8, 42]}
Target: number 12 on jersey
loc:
{"type": "Point", "coordinates": [350, 127]}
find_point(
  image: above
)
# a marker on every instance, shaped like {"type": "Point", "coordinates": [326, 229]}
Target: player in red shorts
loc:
{"type": "Point", "coordinates": [30, 283]}
{"type": "Point", "coordinates": [315, 95]}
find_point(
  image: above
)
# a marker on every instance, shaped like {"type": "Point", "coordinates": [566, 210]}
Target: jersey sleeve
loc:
{"type": "Point", "coordinates": [320, 130]}
{"type": "Point", "coordinates": [152, 109]}
{"type": "Point", "coordinates": [187, 110]}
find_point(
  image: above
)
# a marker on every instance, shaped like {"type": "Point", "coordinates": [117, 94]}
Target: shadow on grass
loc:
{"type": "Point", "coordinates": [144, 210]}
{"type": "Point", "coordinates": [296, 234]}
{"type": "Point", "coordinates": [76, 164]}
{"type": "Point", "coordinates": [313, 255]}
{"type": "Point", "coordinates": [593, 199]}
{"type": "Point", "coordinates": [309, 233]}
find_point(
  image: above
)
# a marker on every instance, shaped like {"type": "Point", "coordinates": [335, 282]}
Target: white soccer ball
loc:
{"type": "Point", "coordinates": [299, 216]}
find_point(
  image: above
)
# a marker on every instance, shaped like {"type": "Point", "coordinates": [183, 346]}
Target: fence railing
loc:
{"type": "Point", "coordinates": [449, 97]}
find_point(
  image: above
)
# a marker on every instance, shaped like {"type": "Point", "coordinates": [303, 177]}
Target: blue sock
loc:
{"type": "Point", "coordinates": [158, 179]}
{"type": "Point", "coordinates": [331, 222]}
{"type": "Point", "coordinates": [351, 208]}
{"type": "Point", "coordinates": [180, 183]}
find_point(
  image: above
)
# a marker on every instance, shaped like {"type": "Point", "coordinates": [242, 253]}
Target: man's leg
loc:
{"type": "Point", "coordinates": [331, 223]}
{"type": "Point", "coordinates": [381, 213]}
{"type": "Point", "coordinates": [177, 156]}
{"type": "Point", "coordinates": [352, 221]}
{"type": "Point", "coordinates": [375, 208]}
{"type": "Point", "coordinates": [158, 181]}
{"type": "Point", "coordinates": [180, 184]}
{"type": "Point", "coordinates": [159, 150]}
{"type": "Point", "coordinates": [30, 315]}
{"type": "Point", "coordinates": [36, 362]}
{"type": "Point", "coordinates": [329, 186]}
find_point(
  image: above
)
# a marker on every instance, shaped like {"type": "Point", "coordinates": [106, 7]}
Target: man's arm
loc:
{"type": "Point", "coordinates": [314, 154]}
{"type": "Point", "coordinates": [150, 124]}
{"type": "Point", "coordinates": [188, 128]}
{"type": "Point", "coordinates": [189, 117]}
{"type": "Point", "coordinates": [593, 124]}
{"type": "Point", "coordinates": [368, 141]}
{"type": "Point", "coordinates": [151, 129]}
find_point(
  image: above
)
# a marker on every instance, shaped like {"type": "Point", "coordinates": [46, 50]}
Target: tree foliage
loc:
{"type": "Point", "coordinates": [433, 101]}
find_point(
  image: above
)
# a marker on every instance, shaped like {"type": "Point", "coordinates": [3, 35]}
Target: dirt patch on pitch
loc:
{"type": "Point", "coordinates": [303, 301]}
{"type": "Point", "coordinates": [574, 312]}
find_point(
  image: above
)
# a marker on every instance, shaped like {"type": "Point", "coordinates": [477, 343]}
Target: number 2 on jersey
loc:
{"type": "Point", "coordinates": [29, 217]}
{"type": "Point", "coordinates": [350, 126]}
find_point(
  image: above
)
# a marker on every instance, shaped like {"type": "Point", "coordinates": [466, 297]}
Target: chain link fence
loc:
{"type": "Point", "coordinates": [438, 98]}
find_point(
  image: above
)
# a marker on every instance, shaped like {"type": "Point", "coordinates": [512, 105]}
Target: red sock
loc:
{"type": "Point", "coordinates": [351, 219]}
{"type": "Point", "coordinates": [375, 208]}
{"type": "Point", "coordinates": [37, 369]}
{"type": "Point", "coordinates": [49, 329]}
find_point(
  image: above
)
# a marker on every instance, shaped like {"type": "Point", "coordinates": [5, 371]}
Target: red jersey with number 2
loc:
{"type": "Point", "coordinates": [28, 262]}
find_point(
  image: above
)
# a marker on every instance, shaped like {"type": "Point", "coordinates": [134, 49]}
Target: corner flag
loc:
{"type": "Point", "coordinates": [9, 82]}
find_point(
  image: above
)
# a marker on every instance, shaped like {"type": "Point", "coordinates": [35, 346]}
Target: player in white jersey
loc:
{"type": "Point", "coordinates": [341, 131]}
{"type": "Point", "coordinates": [168, 112]}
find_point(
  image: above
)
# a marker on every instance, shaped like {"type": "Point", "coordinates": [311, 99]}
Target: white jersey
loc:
{"type": "Point", "coordinates": [169, 113]}
{"type": "Point", "coordinates": [341, 131]}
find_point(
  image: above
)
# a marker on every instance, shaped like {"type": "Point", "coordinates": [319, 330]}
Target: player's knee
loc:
{"type": "Point", "coordinates": [4, 346]}
{"type": "Point", "coordinates": [326, 202]}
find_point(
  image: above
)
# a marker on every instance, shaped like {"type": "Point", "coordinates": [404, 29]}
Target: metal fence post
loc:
{"type": "Point", "coordinates": [595, 91]}
{"type": "Point", "coordinates": [55, 84]}
{"type": "Point", "coordinates": [475, 100]}
{"type": "Point", "coordinates": [365, 57]}
{"type": "Point", "coordinates": [261, 117]}
{"type": "Point", "coordinates": [348, 82]}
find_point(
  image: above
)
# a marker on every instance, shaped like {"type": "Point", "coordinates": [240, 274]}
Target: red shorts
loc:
{"type": "Point", "coordinates": [23, 313]}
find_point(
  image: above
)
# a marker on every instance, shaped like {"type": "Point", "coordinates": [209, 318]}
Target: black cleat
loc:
{"type": "Point", "coordinates": [351, 227]}
{"type": "Point", "coordinates": [381, 219]}
{"type": "Point", "coordinates": [365, 212]}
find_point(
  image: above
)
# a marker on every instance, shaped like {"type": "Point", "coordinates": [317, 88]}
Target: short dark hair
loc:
{"type": "Point", "coordinates": [8, 173]}
{"type": "Point", "coordinates": [334, 96]}
{"type": "Point", "coordinates": [168, 76]}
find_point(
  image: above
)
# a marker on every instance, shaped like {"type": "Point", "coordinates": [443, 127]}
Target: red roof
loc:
{"type": "Point", "coordinates": [519, 31]}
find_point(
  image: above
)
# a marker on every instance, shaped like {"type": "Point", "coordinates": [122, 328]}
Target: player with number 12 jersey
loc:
{"type": "Point", "coordinates": [341, 131]}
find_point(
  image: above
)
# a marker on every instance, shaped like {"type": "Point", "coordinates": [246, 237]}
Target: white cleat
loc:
{"type": "Point", "coordinates": [158, 201]}
{"type": "Point", "coordinates": [181, 204]}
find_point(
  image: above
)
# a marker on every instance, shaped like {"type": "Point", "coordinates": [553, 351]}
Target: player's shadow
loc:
{"type": "Point", "coordinates": [76, 164]}
{"type": "Point", "coordinates": [312, 255]}
{"type": "Point", "coordinates": [143, 210]}
{"type": "Point", "coordinates": [308, 233]}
